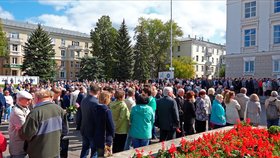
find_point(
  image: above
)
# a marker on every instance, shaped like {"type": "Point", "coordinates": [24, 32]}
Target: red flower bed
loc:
{"type": "Point", "coordinates": [241, 141]}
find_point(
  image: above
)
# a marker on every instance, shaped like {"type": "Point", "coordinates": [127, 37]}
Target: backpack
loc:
{"type": "Point", "coordinates": [272, 111]}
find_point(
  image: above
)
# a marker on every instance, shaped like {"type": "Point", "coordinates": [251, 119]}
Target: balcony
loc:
{"type": "Point", "coordinates": [209, 53]}
{"type": "Point", "coordinates": [75, 47]}
{"type": "Point", "coordinates": [14, 40]}
{"type": "Point", "coordinates": [12, 65]}
{"type": "Point", "coordinates": [208, 63]}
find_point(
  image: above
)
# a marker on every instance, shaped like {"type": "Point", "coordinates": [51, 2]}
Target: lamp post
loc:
{"type": "Point", "coordinates": [171, 68]}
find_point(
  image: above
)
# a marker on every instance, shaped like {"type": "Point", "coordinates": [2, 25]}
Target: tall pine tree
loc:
{"type": "Point", "coordinates": [3, 42]}
{"type": "Point", "coordinates": [141, 51]}
{"type": "Point", "coordinates": [39, 55]}
{"type": "Point", "coordinates": [103, 39]}
{"type": "Point", "coordinates": [123, 65]}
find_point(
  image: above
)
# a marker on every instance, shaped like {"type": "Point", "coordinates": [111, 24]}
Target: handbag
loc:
{"type": "Point", "coordinates": [64, 144]}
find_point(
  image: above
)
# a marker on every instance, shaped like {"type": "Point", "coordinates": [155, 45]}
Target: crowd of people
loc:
{"type": "Point", "coordinates": [116, 116]}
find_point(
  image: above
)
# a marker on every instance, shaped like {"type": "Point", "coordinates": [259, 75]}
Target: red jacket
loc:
{"type": "Point", "coordinates": [3, 144]}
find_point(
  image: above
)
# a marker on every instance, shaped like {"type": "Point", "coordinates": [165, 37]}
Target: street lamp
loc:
{"type": "Point", "coordinates": [171, 68]}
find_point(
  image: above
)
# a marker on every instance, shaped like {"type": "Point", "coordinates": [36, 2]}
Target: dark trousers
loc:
{"type": "Point", "coordinates": [119, 142]}
{"type": "Point", "coordinates": [78, 119]}
{"type": "Point", "coordinates": [188, 128]}
{"type": "Point", "coordinates": [200, 126]}
{"type": "Point", "coordinates": [87, 144]}
{"type": "Point", "coordinates": [167, 135]}
{"type": "Point", "coordinates": [1, 114]}
{"type": "Point", "coordinates": [218, 126]}
{"type": "Point", "coordinates": [272, 122]}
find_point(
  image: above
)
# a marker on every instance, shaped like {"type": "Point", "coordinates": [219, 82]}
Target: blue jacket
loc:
{"type": "Point", "coordinates": [2, 102]}
{"type": "Point", "coordinates": [141, 122]}
{"type": "Point", "coordinates": [88, 108]}
{"type": "Point", "coordinates": [218, 115]}
{"type": "Point", "coordinates": [104, 126]}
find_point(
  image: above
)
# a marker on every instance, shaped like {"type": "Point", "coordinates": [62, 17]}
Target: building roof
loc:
{"type": "Point", "coordinates": [200, 40]}
{"type": "Point", "coordinates": [28, 25]}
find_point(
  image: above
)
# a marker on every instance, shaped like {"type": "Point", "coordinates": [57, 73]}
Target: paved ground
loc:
{"type": "Point", "coordinates": [75, 137]}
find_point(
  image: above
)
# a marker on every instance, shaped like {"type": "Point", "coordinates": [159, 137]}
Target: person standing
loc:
{"type": "Point", "coordinates": [242, 99]}
{"type": "Point", "coordinates": [17, 119]}
{"type": "Point", "coordinates": [104, 131]}
{"type": "Point", "coordinates": [121, 115]}
{"type": "Point", "coordinates": [81, 96]}
{"type": "Point", "coordinates": [167, 115]}
{"type": "Point", "coordinates": [180, 100]}
{"type": "Point", "coordinates": [44, 127]}
{"type": "Point", "coordinates": [9, 105]}
{"type": "Point", "coordinates": [189, 113]}
{"type": "Point", "coordinates": [218, 116]}
{"type": "Point", "coordinates": [232, 107]}
{"type": "Point", "coordinates": [200, 112]}
{"type": "Point", "coordinates": [88, 124]}
{"type": "Point", "coordinates": [2, 104]}
{"type": "Point", "coordinates": [141, 121]}
{"type": "Point", "coordinates": [272, 106]}
{"type": "Point", "coordinates": [253, 110]}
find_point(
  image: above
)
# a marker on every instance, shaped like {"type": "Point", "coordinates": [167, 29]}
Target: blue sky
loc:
{"type": "Point", "coordinates": [195, 17]}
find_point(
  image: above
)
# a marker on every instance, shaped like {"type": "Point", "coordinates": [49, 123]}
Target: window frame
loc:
{"type": "Point", "coordinates": [251, 66]}
{"type": "Point", "coordinates": [276, 39]}
{"type": "Point", "coordinates": [249, 37]}
{"type": "Point", "coordinates": [250, 10]}
{"type": "Point", "coordinates": [276, 6]}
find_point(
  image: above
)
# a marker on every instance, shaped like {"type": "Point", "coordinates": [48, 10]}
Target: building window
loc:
{"type": "Point", "coordinates": [75, 43]}
{"type": "Point", "coordinates": [212, 60]}
{"type": "Point", "coordinates": [14, 61]}
{"type": "Point", "coordinates": [179, 48]}
{"type": "Point", "coordinates": [14, 35]}
{"type": "Point", "coordinates": [78, 53]}
{"type": "Point", "coordinates": [276, 6]}
{"type": "Point", "coordinates": [63, 54]}
{"type": "Point", "coordinates": [72, 53]}
{"type": "Point", "coordinates": [249, 66]}
{"type": "Point", "coordinates": [276, 35]}
{"type": "Point", "coordinates": [197, 49]}
{"type": "Point", "coordinates": [250, 9]}
{"type": "Point", "coordinates": [62, 63]}
{"type": "Point", "coordinates": [63, 42]}
{"type": "Point", "coordinates": [86, 45]}
{"type": "Point", "coordinates": [196, 58]}
{"type": "Point", "coordinates": [15, 47]}
{"type": "Point", "coordinates": [203, 49]}
{"type": "Point", "coordinates": [71, 74]}
{"type": "Point", "coordinates": [202, 59]}
{"type": "Point", "coordinates": [72, 64]}
{"type": "Point", "coordinates": [202, 68]}
{"type": "Point", "coordinates": [196, 67]}
{"type": "Point", "coordinates": [249, 37]}
{"type": "Point", "coordinates": [217, 60]}
{"type": "Point", "coordinates": [276, 65]}
{"type": "Point", "coordinates": [62, 74]}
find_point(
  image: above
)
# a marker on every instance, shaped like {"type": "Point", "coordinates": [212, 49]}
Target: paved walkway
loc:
{"type": "Point", "coordinates": [75, 143]}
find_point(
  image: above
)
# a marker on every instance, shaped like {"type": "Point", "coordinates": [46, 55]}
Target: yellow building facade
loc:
{"type": "Point", "coordinates": [69, 47]}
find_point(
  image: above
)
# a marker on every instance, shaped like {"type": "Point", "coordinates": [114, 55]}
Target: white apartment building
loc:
{"type": "Point", "coordinates": [69, 47]}
{"type": "Point", "coordinates": [207, 55]}
{"type": "Point", "coordinates": [253, 38]}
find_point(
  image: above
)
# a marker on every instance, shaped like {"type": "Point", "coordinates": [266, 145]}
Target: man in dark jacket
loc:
{"type": "Point", "coordinates": [2, 103]}
{"type": "Point", "coordinates": [180, 100]}
{"type": "Point", "coordinates": [88, 109]}
{"type": "Point", "coordinates": [167, 115]}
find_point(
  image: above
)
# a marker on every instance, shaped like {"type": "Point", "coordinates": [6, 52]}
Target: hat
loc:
{"type": "Point", "coordinates": [24, 94]}
{"type": "Point", "coordinates": [274, 94]}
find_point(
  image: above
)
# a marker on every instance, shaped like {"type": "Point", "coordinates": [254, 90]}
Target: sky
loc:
{"type": "Point", "coordinates": [203, 18]}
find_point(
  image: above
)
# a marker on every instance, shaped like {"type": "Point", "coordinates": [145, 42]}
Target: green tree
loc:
{"type": "Point", "coordinates": [183, 67]}
{"type": "Point", "coordinates": [123, 65]}
{"type": "Point", "coordinates": [141, 51]}
{"type": "Point", "coordinates": [159, 41]}
{"type": "Point", "coordinates": [103, 40]}
{"type": "Point", "coordinates": [39, 55]}
{"type": "Point", "coordinates": [222, 71]}
{"type": "Point", "coordinates": [3, 42]}
{"type": "Point", "coordinates": [91, 68]}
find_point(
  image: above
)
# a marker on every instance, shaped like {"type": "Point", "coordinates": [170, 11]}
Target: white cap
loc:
{"type": "Point", "coordinates": [24, 94]}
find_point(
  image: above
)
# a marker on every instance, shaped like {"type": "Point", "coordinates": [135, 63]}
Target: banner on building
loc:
{"type": "Point", "coordinates": [166, 75]}
{"type": "Point", "coordinates": [19, 79]}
